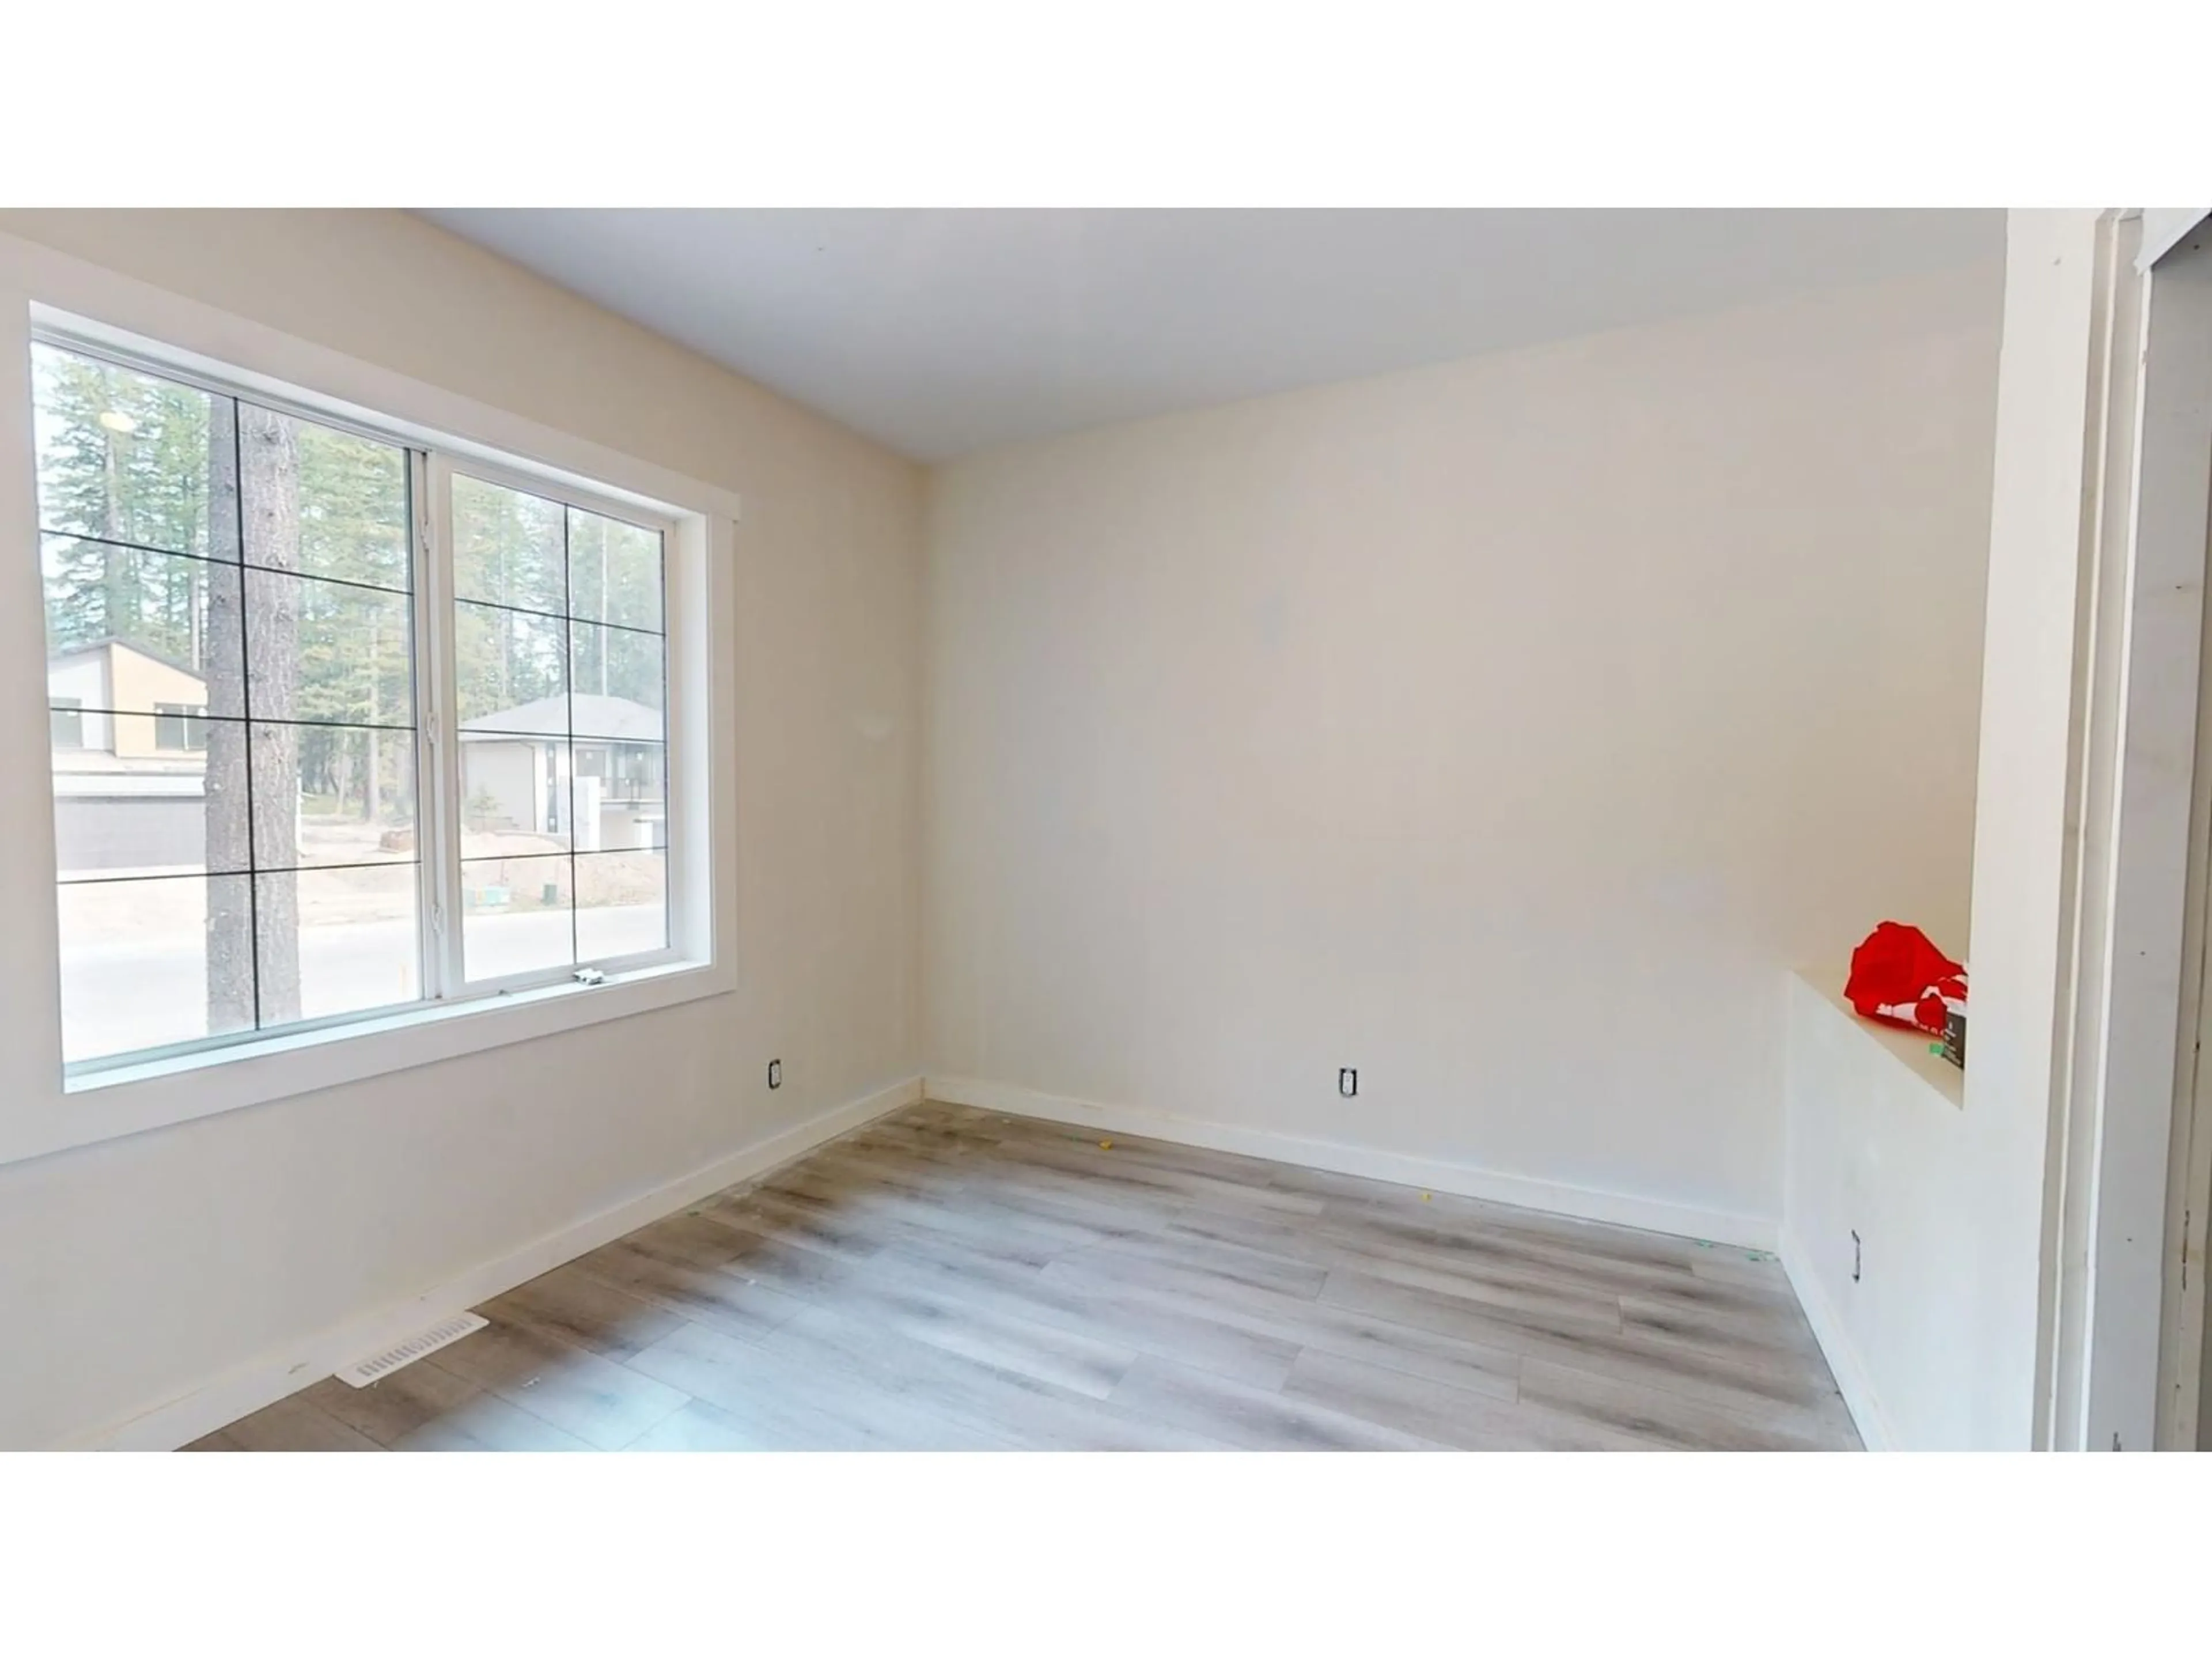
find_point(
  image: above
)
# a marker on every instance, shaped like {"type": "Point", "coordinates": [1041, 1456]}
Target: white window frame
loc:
{"type": "Point", "coordinates": [435, 600]}
{"type": "Point", "coordinates": [41, 1109]}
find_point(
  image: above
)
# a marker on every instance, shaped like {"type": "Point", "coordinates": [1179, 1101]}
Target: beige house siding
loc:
{"type": "Point", "coordinates": [139, 683]}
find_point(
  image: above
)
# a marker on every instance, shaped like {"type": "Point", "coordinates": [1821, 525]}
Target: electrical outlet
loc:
{"type": "Point", "coordinates": [776, 1074]}
{"type": "Point", "coordinates": [1347, 1082]}
{"type": "Point", "coordinates": [1857, 1255]}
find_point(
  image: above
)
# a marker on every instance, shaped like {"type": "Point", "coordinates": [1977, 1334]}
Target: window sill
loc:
{"type": "Point", "coordinates": [129, 1099]}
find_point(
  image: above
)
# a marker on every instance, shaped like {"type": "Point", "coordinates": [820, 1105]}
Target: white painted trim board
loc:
{"type": "Point", "coordinates": [269, 1378]}
{"type": "Point", "coordinates": [1844, 1364]}
{"type": "Point", "coordinates": [1342, 1157]}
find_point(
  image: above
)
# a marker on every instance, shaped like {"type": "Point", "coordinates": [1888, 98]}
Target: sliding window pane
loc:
{"type": "Point", "coordinates": [509, 548]}
{"type": "Point", "coordinates": [128, 457]}
{"type": "Point", "coordinates": [516, 915]}
{"type": "Point", "coordinates": [352, 790]}
{"type": "Point", "coordinates": [337, 941]}
{"type": "Point", "coordinates": [614, 571]}
{"type": "Point", "coordinates": [617, 678]}
{"type": "Point", "coordinates": [328, 651]}
{"type": "Point", "coordinates": [323, 502]}
{"type": "Point", "coordinates": [135, 631]}
{"type": "Point", "coordinates": [621, 904]}
{"type": "Point", "coordinates": [511, 670]}
{"type": "Point", "coordinates": [135, 959]}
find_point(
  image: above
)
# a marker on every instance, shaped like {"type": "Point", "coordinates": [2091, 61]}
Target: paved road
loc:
{"type": "Point", "coordinates": [150, 988]}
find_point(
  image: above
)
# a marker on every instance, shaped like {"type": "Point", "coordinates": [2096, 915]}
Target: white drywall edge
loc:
{"type": "Point", "coordinates": [264, 1381]}
{"type": "Point", "coordinates": [1463, 1180]}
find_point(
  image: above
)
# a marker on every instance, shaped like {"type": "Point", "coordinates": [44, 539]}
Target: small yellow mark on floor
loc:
{"type": "Point", "coordinates": [1105, 1146]}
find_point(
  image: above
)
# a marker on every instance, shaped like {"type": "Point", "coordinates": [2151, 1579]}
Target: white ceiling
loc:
{"type": "Point", "coordinates": [944, 333]}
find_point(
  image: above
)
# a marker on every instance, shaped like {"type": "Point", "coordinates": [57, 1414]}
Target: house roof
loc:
{"type": "Point", "coordinates": [116, 642]}
{"type": "Point", "coordinates": [615, 718]}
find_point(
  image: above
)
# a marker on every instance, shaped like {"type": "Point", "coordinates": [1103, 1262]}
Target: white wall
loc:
{"type": "Point", "coordinates": [1876, 1138]}
{"type": "Point", "coordinates": [1504, 729]}
{"type": "Point", "coordinates": [133, 1270]}
{"type": "Point", "coordinates": [1958, 1202]}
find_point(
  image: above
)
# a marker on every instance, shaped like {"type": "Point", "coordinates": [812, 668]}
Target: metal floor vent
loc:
{"type": "Point", "coordinates": [441, 1334]}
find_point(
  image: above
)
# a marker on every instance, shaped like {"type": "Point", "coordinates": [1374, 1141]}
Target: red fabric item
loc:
{"type": "Point", "coordinates": [1899, 977]}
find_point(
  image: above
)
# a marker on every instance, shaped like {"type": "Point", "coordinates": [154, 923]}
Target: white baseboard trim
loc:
{"type": "Point", "coordinates": [1843, 1356]}
{"type": "Point", "coordinates": [264, 1381]}
{"type": "Point", "coordinates": [1465, 1180]}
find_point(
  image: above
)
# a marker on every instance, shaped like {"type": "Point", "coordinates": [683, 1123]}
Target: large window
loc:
{"type": "Point", "coordinates": [340, 724]}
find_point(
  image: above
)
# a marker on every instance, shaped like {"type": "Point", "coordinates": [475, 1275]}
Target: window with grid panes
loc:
{"type": "Point", "coordinates": [315, 760]}
{"type": "Point", "coordinates": [561, 691]}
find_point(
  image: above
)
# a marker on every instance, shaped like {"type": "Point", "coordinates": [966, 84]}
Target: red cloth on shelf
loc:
{"type": "Point", "coordinates": [1899, 977]}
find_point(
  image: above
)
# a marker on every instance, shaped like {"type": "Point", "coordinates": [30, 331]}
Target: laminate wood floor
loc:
{"type": "Point", "coordinates": [953, 1279]}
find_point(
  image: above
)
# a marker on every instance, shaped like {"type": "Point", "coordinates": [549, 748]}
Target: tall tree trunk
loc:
{"type": "Point", "coordinates": [253, 936]}
{"type": "Point", "coordinates": [505, 624]}
{"type": "Point", "coordinates": [114, 569]}
{"type": "Point", "coordinates": [268, 466]}
{"type": "Point", "coordinates": [372, 772]}
{"type": "Point", "coordinates": [229, 844]}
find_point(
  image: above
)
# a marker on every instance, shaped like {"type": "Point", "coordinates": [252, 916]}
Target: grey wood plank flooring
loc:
{"type": "Point", "coordinates": [953, 1279]}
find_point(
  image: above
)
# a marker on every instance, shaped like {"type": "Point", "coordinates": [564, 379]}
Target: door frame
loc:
{"type": "Point", "coordinates": [2130, 1148]}
{"type": "Point", "coordinates": [2178, 439]}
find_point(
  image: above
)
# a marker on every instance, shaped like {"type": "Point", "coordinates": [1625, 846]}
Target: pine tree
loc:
{"type": "Point", "coordinates": [134, 477]}
{"type": "Point", "coordinates": [269, 511]}
{"type": "Point", "coordinates": [230, 994]}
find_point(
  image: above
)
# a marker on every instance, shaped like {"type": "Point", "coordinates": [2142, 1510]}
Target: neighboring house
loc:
{"type": "Point", "coordinates": [515, 774]}
{"type": "Point", "coordinates": [128, 787]}
{"type": "Point", "coordinates": [86, 682]}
